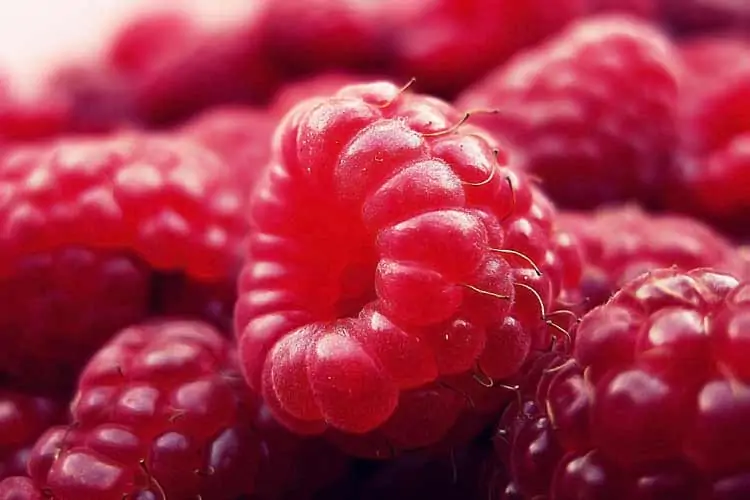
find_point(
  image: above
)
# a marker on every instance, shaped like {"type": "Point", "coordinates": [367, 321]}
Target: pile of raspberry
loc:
{"type": "Point", "coordinates": [340, 250]}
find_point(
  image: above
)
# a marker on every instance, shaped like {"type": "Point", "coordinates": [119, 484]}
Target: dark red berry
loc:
{"type": "Point", "coordinates": [92, 228]}
{"type": "Point", "coordinates": [593, 111]}
{"type": "Point", "coordinates": [423, 246]}
{"type": "Point", "coordinates": [160, 412]}
{"type": "Point", "coordinates": [652, 404]}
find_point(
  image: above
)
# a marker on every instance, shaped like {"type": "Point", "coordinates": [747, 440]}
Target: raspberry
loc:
{"type": "Point", "coordinates": [653, 402]}
{"type": "Point", "coordinates": [621, 243]}
{"type": "Point", "coordinates": [160, 412]}
{"type": "Point", "coordinates": [716, 134]}
{"type": "Point", "coordinates": [23, 418]}
{"type": "Point", "coordinates": [324, 35]}
{"type": "Point", "coordinates": [240, 136]}
{"type": "Point", "coordinates": [91, 229]}
{"type": "Point", "coordinates": [448, 44]}
{"type": "Point", "coordinates": [20, 488]}
{"type": "Point", "coordinates": [421, 266]}
{"type": "Point", "coordinates": [174, 65]}
{"type": "Point", "coordinates": [593, 110]}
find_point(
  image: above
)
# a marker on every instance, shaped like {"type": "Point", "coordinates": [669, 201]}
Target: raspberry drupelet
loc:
{"type": "Point", "coordinates": [621, 243]}
{"type": "Point", "coordinates": [652, 404]}
{"type": "Point", "coordinates": [100, 233]}
{"type": "Point", "coordinates": [23, 418]}
{"type": "Point", "coordinates": [391, 247]}
{"type": "Point", "coordinates": [160, 412]}
{"type": "Point", "coordinates": [592, 111]}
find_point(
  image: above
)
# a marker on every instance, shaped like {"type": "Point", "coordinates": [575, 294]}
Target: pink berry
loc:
{"type": "Point", "coordinates": [424, 245]}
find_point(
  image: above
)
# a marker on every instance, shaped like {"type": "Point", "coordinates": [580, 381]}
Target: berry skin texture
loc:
{"type": "Point", "coordinates": [160, 412]}
{"type": "Point", "coordinates": [389, 249]}
{"type": "Point", "coordinates": [592, 111]}
{"type": "Point", "coordinates": [93, 233]}
{"type": "Point", "coordinates": [23, 418]}
{"type": "Point", "coordinates": [621, 243]}
{"type": "Point", "coordinates": [652, 403]}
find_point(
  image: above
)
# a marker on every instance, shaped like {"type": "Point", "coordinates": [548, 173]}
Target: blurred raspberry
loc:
{"type": "Point", "coordinates": [593, 112]}
{"type": "Point", "coordinates": [715, 134]}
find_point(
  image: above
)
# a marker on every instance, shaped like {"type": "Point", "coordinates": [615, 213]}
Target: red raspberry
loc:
{"type": "Point", "coordinates": [160, 412]}
{"type": "Point", "coordinates": [174, 65]}
{"type": "Point", "coordinates": [240, 136]}
{"type": "Point", "coordinates": [91, 229]}
{"type": "Point", "coordinates": [23, 418]}
{"type": "Point", "coordinates": [619, 244]}
{"type": "Point", "coordinates": [448, 44]}
{"type": "Point", "coordinates": [653, 403]}
{"type": "Point", "coordinates": [20, 488]}
{"type": "Point", "coordinates": [307, 37]}
{"type": "Point", "coordinates": [593, 110]}
{"type": "Point", "coordinates": [420, 265]}
{"type": "Point", "coordinates": [716, 133]}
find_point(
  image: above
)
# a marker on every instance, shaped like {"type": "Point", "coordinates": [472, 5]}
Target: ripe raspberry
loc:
{"type": "Point", "coordinates": [448, 44]}
{"type": "Point", "coordinates": [20, 488]}
{"type": "Point", "coordinates": [240, 136]}
{"type": "Point", "coordinates": [175, 65]}
{"type": "Point", "coordinates": [160, 412]}
{"type": "Point", "coordinates": [716, 133]}
{"type": "Point", "coordinates": [420, 265]}
{"type": "Point", "coordinates": [23, 418]}
{"type": "Point", "coordinates": [593, 110]}
{"type": "Point", "coordinates": [653, 403]}
{"type": "Point", "coordinates": [619, 244]}
{"type": "Point", "coordinates": [320, 35]}
{"type": "Point", "coordinates": [91, 229]}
